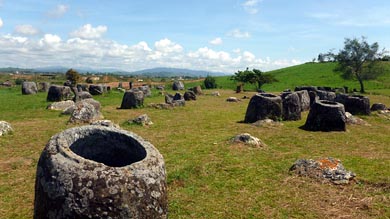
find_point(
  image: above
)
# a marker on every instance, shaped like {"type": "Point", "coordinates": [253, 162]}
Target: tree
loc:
{"type": "Point", "coordinates": [209, 82]}
{"type": "Point", "coordinates": [253, 77]}
{"type": "Point", "coordinates": [73, 76]}
{"type": "Point", "coordinates": [359, 60]}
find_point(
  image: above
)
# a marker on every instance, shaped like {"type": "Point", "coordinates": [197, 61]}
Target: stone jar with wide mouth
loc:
{"type": "Point", "coordinates": [100, 172]}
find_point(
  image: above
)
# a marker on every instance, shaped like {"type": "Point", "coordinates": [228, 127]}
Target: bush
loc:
{"type": "Point", "coordinates": [18, 81]}
{"type": "Point", "coordinates": [209, 82]}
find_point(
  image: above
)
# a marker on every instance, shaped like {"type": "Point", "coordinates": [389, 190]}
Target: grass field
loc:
{"type": "Point", "coordinates": [208, 177]}
{"type": "Point", "coordinates": [314, 74]}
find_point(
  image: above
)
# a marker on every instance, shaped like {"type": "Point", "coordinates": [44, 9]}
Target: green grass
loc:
{"type": "Point", "coordinates": [314, 74]}
{"type": "Point", "coordinates": [208, 177]}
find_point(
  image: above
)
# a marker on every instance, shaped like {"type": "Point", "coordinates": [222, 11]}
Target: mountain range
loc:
{"type": "Point", "coordinates": [153, 72]}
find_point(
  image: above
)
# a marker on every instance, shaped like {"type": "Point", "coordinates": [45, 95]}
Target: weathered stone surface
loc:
{"type": "Point", "coordinates": [82, 95]}
{"type": "Point", "coordinates": [233, 99]}
{"type": "Point", "coordinates": [326, 116]}
{"type": "Point", "coordinates": [249, 140]}
{"type": "Point", "coordinates": [263, 106]}
{"type": "Point", "coordinates": [94, 103]}
{"type": "Point", "coordinates": [43, 86]}
{"type": "Point", "coordinates": [353, 120]}
{"type": "Point", "coordinates": [291, 107]}
{"type": "Point", "coordinates": [378, 106]}
{"type": "Point", "coordinates": [215, 93]}
{"type": "Point", "coordinates": [143, 120]}
{"type": "Point", "coordinates": [100, 172]}
{"type": "Point", "coordinates": [197, 90]}
{"type": "Point", "coordinates": [132, 99]}
{"type": "Point", "coordinates": [178, 96]}
{"type": "Point", "coordinates": [105, 123]}
{"type": "Point", "coordinates": [267, 123]}
{"type": "Point", "coordinates": [62, 105]}
{"type": "Point", "coordinates": [161, 105]}
{"type": "Point", "coordinates": [84, 112]}
{"type": "Point", "coordinates": [160, 87]}
{"type": "Point", "coordinates": [82, 87]}
{"type": "Point", "coordinates": [29, 87]}
{"type": "Point", "coordinates": [307, 88]}
{"type": "Point", "coordinates": [326, 169]}
{"type": "Point", "coordinates": [326, 95]}
{"type": "Point", "coordinates": [7, 83]}
{"type": "Point", "coordinates": [168, 99]}
{"type": "Point", "coordinates": [5, 128]}
{"type": "Point", "coordinates": [59, 93]}
{"type": "Point", "coordinates": [177, 85]}
{"type": "Point", "coordinates": [146, 90]}
{"type": "Point", "coordinates": [357, 104]}
{"type": "Point", "coordinates": [304, 99]}
{"type": "Point", "coordinates": [189, 95]}
{"type": "Point", "coordinates": [97, 89]}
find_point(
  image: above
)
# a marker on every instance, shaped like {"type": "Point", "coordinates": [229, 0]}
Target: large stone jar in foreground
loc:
{"type": "Point", "coordinates": [100, 172]}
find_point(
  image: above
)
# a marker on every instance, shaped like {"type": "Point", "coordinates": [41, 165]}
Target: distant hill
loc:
{"type": "Point", "coordinates": [153, 72]}
{"type": "Point", "coordinates": [172, 72]}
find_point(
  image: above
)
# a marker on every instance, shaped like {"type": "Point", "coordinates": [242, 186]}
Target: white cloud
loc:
{"type": "Point", "coordinates": [26, 30]}
{"type": "Point", "coordinates": [167, 46]}
{"type": "Point", "coordinates": [236, 33]}
{"type": "Point", "coordinates": [58, 11]}
{"type": "Point", "coordinates": [250, 6]}
{"type": "Point", "coordinates": [216, 41]}
{"type": "Point", "coordinates": [102, 53]}
{"type": "Point", "coordinates": [1, 22]}
{"type": "Point", "coordinates": [50, 39]}
{"type": "Point", "coordinates": [89, 32]}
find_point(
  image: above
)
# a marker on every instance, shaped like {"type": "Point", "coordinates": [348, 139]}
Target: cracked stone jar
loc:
{"type": "Point", "coordinates": [100, 172]}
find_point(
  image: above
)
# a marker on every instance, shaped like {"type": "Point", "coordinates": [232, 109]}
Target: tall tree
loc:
{"type": "Point", "coordinates": [73, 76]}
{"type": "Point", "coordinates": [359, 60]}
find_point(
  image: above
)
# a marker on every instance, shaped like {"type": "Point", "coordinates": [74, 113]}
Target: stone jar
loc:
{"type": "Point", "coordinates": [100, 172]}
{"type": "Point", "coordinates": [326, 115]}
{"type": "Point", "coordinates": [264, 106]}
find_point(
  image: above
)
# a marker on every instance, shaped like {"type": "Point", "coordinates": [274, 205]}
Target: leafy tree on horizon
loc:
{"type": "Point", "coordinates": [359, 60]}
{"type": "Point", "coordinates": [254, 76]}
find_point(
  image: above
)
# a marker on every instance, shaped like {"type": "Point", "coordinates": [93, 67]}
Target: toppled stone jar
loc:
{"type": "Point", "coordinates": [100, 172]}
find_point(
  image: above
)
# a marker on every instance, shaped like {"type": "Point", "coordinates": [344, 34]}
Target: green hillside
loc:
{"type": "Point", "coordinates": [315, 74]}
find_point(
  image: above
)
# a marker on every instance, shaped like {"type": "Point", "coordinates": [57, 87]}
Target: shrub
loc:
{"type": "Point", "coordinates": [209, 82]}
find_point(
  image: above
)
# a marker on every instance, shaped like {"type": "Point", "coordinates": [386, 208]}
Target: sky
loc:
{"type": "Point", "coordinates": [212, 35]}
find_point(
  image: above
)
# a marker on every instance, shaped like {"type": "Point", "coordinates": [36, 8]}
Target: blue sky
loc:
{"type": "Point", "coordinates": [214, 35]}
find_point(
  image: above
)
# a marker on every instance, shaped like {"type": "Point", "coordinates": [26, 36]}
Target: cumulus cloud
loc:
{"type": "Point", "coordinates": [59, 11]}
{"type": "Point", "coordinates": [237, 33]}
{"type": "Point", "coordinates": [216, 41]}
{"type": "Point", "coordinates": [1, 22]}
{"type": "Point", "coordinates": [89, 32]}
{"type": "Point", "coordinates": [103, 53]}
{"type": "Point", "coordinates": [251, 6]}
{"type": "Point", "coordinates": [26, 30]}
{"type": "Point", "coordinates": [167, 46]}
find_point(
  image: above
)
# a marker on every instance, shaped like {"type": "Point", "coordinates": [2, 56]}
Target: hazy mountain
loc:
{"type": "Point", "coordinates": [171, 72]}
{"type": "Point", "coordinates": [153, 72]}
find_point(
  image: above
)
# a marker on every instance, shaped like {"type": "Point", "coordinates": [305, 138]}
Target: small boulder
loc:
{"type": "Point", "coordinates": [106, 123]}
{"type": "Point", "coordinates": [143, 120]}
{"type": "Point", "coordinates": [44, 86]}
{"type": "Point", "coordinates": [146, 90]}
{"type": "Point", "coordinates": [96, 89]}
{"type": "Point", "coordinates": [189, 95]}
{"type": "Point", "coordinates": [197, 90]}
{"type": "Point", "coordinates": [248, 140]}
{"type": "Point", "coordinates": [325, 169]}
{"type": "Point", "coordinates": [233, 99]}
{"type": "Point", "coordinates": [378, 106]}
{"type": "Point", "coordinates": [353, 120]}
{"type": "Point", "coordinates": [62, 105]}
{"type": "Point", "coordinates": [29, 87]}
{"type": "Point", "coordinates": [215, 93]}
{"type": "Point", "coordinates": [5, 128]}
